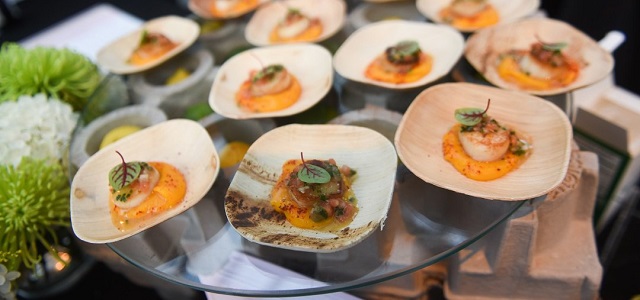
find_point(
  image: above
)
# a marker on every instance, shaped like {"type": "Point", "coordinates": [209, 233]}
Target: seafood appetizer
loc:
{"type": "Point", "coordinates": [542, 67]}
{"type": "Point", "coordinates": [316, 188]}
{"type": "Point", "coordinates": [154, 43]}
{"type": "Point", "coordinates": [470, 14]}
{"type": "Point", "coordinates": [315, 194]}
{"type": "Point", "coordinates": [295, 21]}
{"type": "Point", "coordinates": [140, 190]}
{"type": "Point", "coordinates": [399, 54]}
{"type": "Point", "coordinates": [296, 27]}
{"type": "Point", "coordinates": [537, 56]}
{"type": "Point", "coordinates": [272, 81]}
{"type": "Point", "coordinates": [481, 148]}
{"type": "Point", "coordinates": [270, 89]}
{"type": "Point", "coordinates": [513, 147]}
{"type": "Point", "coordinates": [142, 180]}
{"type": "Point", "coordinates": [403, 62]}
{"type": "Point", "coordinates": [222, 9]}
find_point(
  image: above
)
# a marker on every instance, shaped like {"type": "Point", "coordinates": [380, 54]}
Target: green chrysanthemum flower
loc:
{"type": "Point", "coordinates": [34, 200]}
{"type": "Point", "coordinates": [58, 73]}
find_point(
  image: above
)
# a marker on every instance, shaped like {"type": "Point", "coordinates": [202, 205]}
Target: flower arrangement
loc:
{"type": "Point", "coordinates": [57, 73]}
{"type": "Point", "coordinates": [34, 187]}
{"type": "Point", "coordinates": [42, 89]}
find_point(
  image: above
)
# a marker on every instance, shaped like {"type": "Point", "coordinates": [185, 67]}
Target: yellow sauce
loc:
{"type": "Point", "coordinates": [168, 192]}
{"type": "Point", "coordinates": [241, 7]}
{"type": "Point", "coordinates": [375, 70]}
{"type": "Point", "coordinates": [270, 102]}
{"type": "Point", "coordinates": [311, 33]}
{"type": "Point", "coordinates": [510, 71]}
{"type": "Point", "coordinates": [476, 170]}
{"type": "Point", "coordinates": [487, 17]}
{"type": "Point", "coordinates": [298, 216]}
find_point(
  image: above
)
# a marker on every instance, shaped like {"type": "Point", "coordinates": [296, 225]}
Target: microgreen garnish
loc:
{"type": "Point", "coordinates": [403, 50]}
{"type": "Point", "coordinates": [312, 174]}
{"type": "Point", "coordinates": [555, 47]}
{"type": "Point", "coordinates": [144, 37]}
{"type": "Point", "coordinates": [470, 116]}
{"type": "Point", "coordinates": [269, 72]}
{"type": "Point", "coordinates": [125, 173]}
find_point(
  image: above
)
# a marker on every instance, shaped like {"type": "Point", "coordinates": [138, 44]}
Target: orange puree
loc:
{"type": "Point", "coordinates": [487, 17]}
{"type": "Point", "coordinates": [312, 32]}
{"type": "Point", "coordinates": [300, 217]}
{"type": "Point", "coordinates": [476, 170]}
{"type": "Point", "coordinates": [239, 8]}
{"type": "Point", "coordinates": [270, 102]}
{"type": "Point", "coordinates": [509, 70]}
{"type": "Point", "coordinates": [168, 192]}
{"type": "Point", "coordinates": [151, 51]}
{"type": "Point", "coordinates": [375, 70]}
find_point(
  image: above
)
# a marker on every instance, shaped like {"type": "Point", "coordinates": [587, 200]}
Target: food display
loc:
{"type": "Point", "coordinates": [399, 54]}
{"type": "Point", "coordinates": [296, 27]}
{"type": "Point", "coordinates": [155, 42]}
{"type": "Point", "coordinates": [402, 63]}
{"type": "Point", "coordinates": [470, 14]}
{"type": "Point", "coordinates": [542, 67]}
{"type": "Point", "coordinates": [538, 56]}
{"type": "Point", "coordinates": [312, 187]}
{"type": "Point", "coordinates": [272, 81]}
{"type": "Point", "coordinates": [481, 148]}
{"type": "Point", "coordinates": [315, 194]}
{"type": "Point", "coordinates": [270, 89]}
{"type": "Point", "coordinates": [476, 15]}
{"type": "Point", "coordinates": [153, 45]}
{"type": "Point", "coordinates": [140, 190]}
{"type": "Point", "coordinates": [142, 180]}
{"type": "Point", "coordinates": [230, 8]}
{"type": "Point", "coordinates": [295, 21]}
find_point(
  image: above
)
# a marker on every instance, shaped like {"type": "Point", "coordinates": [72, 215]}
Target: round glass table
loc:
{"type": "Point", "coordinates": [201, 250]}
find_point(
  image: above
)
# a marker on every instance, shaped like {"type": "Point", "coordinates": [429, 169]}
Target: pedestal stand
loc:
{"type": "Point", "coordinates": [546, 251]}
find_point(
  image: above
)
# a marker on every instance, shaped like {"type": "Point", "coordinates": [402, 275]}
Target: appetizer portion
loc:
{"type": "Point", "coordinates": [542, 67]}
{"type": "Point", "coordinates": [402, 63]}
{"type": "Point", "coordinates": [152, 46]}
{"type": "Point", "coordinates": [470, 14]}
{"type": "Point", "coordinates": [227, 8]}
{"type": "Point", "coordinates": [296, 27]}
{"type": "Point", "coordinates": [141, 190]}
{"type": "Point", "coordinates": [270, 89]}
{"type": "Point", "coordinates": [481, 148]}
{"type": "Point", "coordinates": [315, 194]}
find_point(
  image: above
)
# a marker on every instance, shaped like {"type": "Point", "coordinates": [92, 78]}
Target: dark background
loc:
{"type": "Point", "coordinates": [593, 17]}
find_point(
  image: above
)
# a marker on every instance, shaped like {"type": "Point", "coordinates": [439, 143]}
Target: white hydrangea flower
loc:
{"type": "Point", "coordinates": [5, 282]}
{"type": "Point", "coordinates": [35, 126]}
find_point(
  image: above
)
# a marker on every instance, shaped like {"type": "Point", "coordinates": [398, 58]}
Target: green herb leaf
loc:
{"type": "Point", "coordinates": [554, 46]}
{"type": "Point", "coordinates": [125, 173]}
{"type": "Point", "coordinates": [470, 116]}
{"type": "Point", "coordinates": [313, 174]}
{"type": "Point", "coordinates": [407, 48]}
{"type": "Point", "coordinates": [268, 72]}
{"type": "Point", "coordinates": [144, 38]}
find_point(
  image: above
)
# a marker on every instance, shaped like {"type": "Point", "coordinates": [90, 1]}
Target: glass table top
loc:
{"type": "Point", "coordinates": [200, 249]}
